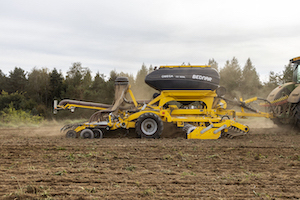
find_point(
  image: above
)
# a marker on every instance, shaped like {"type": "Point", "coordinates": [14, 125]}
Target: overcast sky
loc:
{"type": "Point", "coordinates": [121, 35]}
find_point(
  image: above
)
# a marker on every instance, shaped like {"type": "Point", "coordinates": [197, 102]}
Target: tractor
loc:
{"type": "Point", "coordinates": [285, 99]}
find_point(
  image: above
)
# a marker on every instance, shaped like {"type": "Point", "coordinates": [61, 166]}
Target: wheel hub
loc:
{"type": "Point", "coordinates": [149, 126]}
{"type": "Point", "coordinates": [87, 133]}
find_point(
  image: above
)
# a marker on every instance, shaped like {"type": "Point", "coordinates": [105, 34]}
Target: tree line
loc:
{"type": "Point", "coordinates": [35, 91]}
{"type": "Point", "coordinates": [245, 82]}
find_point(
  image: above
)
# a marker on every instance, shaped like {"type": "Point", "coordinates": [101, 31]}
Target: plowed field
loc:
{"type": "Point", "coordinates": [40, 163]}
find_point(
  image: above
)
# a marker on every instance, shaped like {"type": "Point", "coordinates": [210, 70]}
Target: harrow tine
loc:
{"type": "Point", "coordinates": [234, 132]}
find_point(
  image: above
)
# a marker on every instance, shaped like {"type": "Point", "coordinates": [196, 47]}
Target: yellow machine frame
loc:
{"type": "Point", "coordinates": [204, 123]}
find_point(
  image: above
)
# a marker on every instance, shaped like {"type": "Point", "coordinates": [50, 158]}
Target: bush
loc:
{"type": "Point", "coordinates": [10, 116]}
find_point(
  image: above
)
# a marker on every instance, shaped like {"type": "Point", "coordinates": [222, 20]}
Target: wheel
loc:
{"type": "Point", "coordinates": [277, 121]}
{"type": "Point", "coordinates": [297, 116]}
{"type": "Point", "coordinates": [87, 134]}
{"type": "Point", "coordinates": [149, 125]}
{"type": "Point", "coordinates": [98, 133]}
{"type": "Point", "coordinates": [71, 134]}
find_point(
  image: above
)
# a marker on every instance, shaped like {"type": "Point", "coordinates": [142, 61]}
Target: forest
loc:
{"type": "Point", "coordinates": [28, 96]}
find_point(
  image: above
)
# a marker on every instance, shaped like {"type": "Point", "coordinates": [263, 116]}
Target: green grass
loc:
{"type": "Point", "coordinates": [130, 168]}
{"type": "Point", "coordinates": [18, 118]}
{"type": "Point", "coordinates": [10, 117]}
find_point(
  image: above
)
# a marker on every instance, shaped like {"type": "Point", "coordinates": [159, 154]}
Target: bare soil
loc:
{"type": "Point", "coordinates": [40, 163]}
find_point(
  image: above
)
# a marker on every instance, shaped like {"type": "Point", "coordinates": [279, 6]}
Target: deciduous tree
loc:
{"type": "Point", "coordinates": [74, 81]}
{"type": "Point", "coordinates": [38, 87]}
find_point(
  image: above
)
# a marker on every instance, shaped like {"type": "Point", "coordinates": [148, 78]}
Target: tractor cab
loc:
{"type": "Point", "coordinates": [296, 69]}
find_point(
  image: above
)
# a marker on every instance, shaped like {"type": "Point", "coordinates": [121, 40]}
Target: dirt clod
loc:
{"type": "Point", "coordinates": [41, 163]}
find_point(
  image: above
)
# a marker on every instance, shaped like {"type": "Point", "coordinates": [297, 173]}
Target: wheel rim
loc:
{"type": "Point", "coordinates": [87, 133]}
{"type": "Point", "coordinates": [71, 134]}
{"type": "Point", "coordinates": [97, 133]}
{"type": "Point", "coordinates": [149, 126]}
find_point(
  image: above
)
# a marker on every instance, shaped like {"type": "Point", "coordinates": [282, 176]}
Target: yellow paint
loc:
{"type": "Point", "coordinates": [295, 59]}
{"type": "Point", "coordinates": [199, 117]}
{"type": "Point", "coordinates": [196, 134]}
{"type": "Point", "coordinates": [69, 106]}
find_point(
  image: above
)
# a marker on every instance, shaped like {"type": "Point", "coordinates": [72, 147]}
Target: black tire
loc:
{"type": "Point", "coordinates": [87, 134]}
{"type": "Point", "coordinates": [277, 121]}
{"type": "Point", "coordinates": [297, 116]}
{"type": "Point", "coordinates": [71, 134]}
{"type": "Point", "coordinates": [149, 125]}
{"type": "Point", "coordinates": [98, 133]}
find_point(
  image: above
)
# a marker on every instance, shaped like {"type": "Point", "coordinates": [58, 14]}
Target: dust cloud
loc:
{"type": "Point", "coordinates": [143, 92]}
{"type": "Point", "coordinates": [46, 129]}
{"type": "Point", "coordinates": [257, 122]}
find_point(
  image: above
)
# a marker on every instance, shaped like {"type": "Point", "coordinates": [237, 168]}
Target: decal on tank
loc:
{"type": "Point", "coordinates": [200, 77]}
{"type": "Point", "coordinates": [167, 76]}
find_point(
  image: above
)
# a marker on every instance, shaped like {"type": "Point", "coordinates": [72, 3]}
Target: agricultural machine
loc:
{"type": "Point", "coordinates": [285, 99]}
{"type": "Point", "coordinates": [189, 97]}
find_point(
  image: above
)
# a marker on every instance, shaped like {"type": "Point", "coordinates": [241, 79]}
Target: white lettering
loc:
{"type": "Point", "coordinates": [167, 76]}
{"type": "Point", "coordinates": [200, 77]}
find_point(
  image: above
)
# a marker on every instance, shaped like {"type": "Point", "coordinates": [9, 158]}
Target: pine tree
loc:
{"type": "Point", "coordinates": [3, 82]}
{"type": "Point", "coordinates": [140, 76]}
{"type": "Point", "coordinates": [230, 77]}
{"type": "Point", "coordinates": [17, 80]}
{"type": "Point", "coordinates": [141, 90]}
{"type": "Point", "coordinates": [287, 75]}
{"type": "Point", "coordinates": [98, 88]}
{"type": "Point", "coordinates": [250, 82]}
{"type": "Point", "coordinates": [213, 64]}
{"type": "Point", "coordinates": [110, 88]}
{"type": "Point", "coordinates": [56, 84]}
{"type": "Point", "coordinates": [87, 79]}
{"type": "Point", "coordinates": [86, 85]}
{"type": "Point", "coordinates": [98, 83]}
